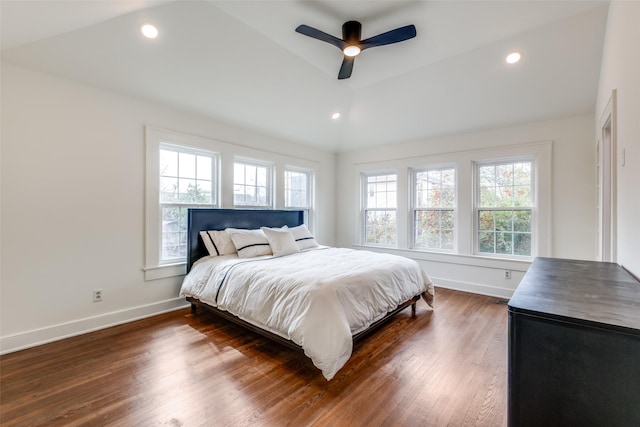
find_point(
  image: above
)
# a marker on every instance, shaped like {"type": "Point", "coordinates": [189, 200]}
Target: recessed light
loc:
{"type": "Point", "coordinates": [149, 31]}
{"type": "Point", "coordinates": [335, 116]}
{"type": "Point", "coordinates": [513, 57]}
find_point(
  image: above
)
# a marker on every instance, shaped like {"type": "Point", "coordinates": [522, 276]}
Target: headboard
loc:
{"type": "Point", "coordinates": [219, 219]}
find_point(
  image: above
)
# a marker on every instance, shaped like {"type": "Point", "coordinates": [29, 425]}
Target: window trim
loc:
{"type": "Point", "coordinates": [215, 196]}
{"type": "Point", "coordinates": [227, 153]}
{"type": "Point", "coordinates": [270, 181]}
{"type": "Point", "coordinates": [463, 160]}
{"type": "Point", "coordinates": [309, 174]}
{"type": "Point", "coordinates": [476, 206]}
{"type": "Point", "coordinates": [309, 208]}
{"type": "Point", "coordinates": [155, 138]}
{"type": "Point", "coordinates": [364, 209]}
{"type": "Point", "coordinates": [413, 171]}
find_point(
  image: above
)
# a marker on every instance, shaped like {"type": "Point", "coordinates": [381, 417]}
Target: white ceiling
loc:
{"type": "Point", "coordinates": [241, 62]}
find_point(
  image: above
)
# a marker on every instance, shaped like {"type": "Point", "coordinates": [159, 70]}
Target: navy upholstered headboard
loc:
{"type": "Point", "coordinates": [219, 219]}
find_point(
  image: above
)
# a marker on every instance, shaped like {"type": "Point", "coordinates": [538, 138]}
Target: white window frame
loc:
{"type": "Point", "coordinates": [308, 207]}
{"type": "Point", "coordinates": [477, 208]}
{"type": "Point", "coordinates": [415, 209]}
{"type": "Point", "coordinates": [466, 228]}
{"type": "Point", "coordinates": [365, 208]}
{"type": "Point", "coordinates": [269, 184]}
{"type": "Point", "coordinates": [155, 139]}
{"type": "Point", "coordinates": [213, 179]}
{"type": "Point", "coordinates": [227, 153]}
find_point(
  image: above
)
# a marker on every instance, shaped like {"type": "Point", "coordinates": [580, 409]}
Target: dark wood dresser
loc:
{"type": "Point", "coordinates": [574, 346]}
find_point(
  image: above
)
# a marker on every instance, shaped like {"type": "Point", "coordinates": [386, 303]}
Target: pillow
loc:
{"type": "Point", "coordinates": [303, 237]}
{"type": "Point", "coordinates": [281, 241]}
{"type": "Point", "coordinates": [249, 243]}
{"type": "Point", "coordinates": [208, 243]}
{"type": "Point", "coordinates": [221, 240]}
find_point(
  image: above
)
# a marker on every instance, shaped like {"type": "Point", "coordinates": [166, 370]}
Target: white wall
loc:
{"type": "Point", "coordinates": [621, 71]}
{"type": "Point", "coordinates": [73, 216]}
{"type": "Point", "coordinates": [72, 193]}
{"type": "Point", "coordinates": [573, 199]}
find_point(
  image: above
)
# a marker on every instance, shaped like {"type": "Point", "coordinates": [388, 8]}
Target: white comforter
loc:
{"type": "Point", "coordinates": [316, 298]}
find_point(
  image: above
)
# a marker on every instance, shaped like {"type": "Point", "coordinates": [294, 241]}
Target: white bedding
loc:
{"type": "Point", "coordinates": [317, 298]}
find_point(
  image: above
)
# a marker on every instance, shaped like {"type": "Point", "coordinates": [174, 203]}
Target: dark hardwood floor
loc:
{"type": "Point", "coordinates": [446, 367]}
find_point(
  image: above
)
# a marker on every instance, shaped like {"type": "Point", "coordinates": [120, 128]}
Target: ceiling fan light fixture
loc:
{"type": "Point", "coordinates": [351, 50]}
{"type": "Point", "coordinates": [149, 31]}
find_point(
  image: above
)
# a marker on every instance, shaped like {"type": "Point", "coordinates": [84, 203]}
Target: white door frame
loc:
{"type": "Point", "coordinates": [606, 169]}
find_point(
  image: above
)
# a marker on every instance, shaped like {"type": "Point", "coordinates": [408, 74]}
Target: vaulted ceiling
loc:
{"type": "Point", "coordinates": [241, 62]}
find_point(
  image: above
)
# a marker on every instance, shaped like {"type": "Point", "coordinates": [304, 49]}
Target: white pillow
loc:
{"type": "Point", "coordinates": [281, 241]}
{"type": "Point", "coordinates": [249, 243]}
{"type": "Point", "coordinates": [208, 243]}
{"type": "Point", "coordinates": [303, 237]}
{"type": "Point", "coordinates": [222, 243]}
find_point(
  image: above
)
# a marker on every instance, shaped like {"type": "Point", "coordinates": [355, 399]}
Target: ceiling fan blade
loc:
{"type": "Point", "coordinates": [346, 67]}
{"type": "Point", "coordinates": [394, 36]}
{"type": "Point", "coordinates": [320, 35]}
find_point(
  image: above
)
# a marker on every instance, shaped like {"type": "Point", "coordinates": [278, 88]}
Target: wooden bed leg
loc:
{"type": "Point", "coordinates": [413, 309]}
{"type": "Point", "coordinates": [193, 309]}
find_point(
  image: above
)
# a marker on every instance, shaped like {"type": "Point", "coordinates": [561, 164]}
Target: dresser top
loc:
{"type": "Point", "coordinates": [600, 294]}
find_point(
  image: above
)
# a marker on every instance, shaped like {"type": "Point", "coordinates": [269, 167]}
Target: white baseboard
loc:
{"type": "Point", "coordinates": [22, 340]}
{"type": "Point", "coordinates": [476, 288]}
{"type": "Point", "coordinates": [61, 331]}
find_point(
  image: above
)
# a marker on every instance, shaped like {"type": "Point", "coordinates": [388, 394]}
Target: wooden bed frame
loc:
{"type": "Point", "coordinates": [220, 219]}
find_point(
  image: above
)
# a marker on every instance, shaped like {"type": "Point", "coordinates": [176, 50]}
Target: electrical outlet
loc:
{"type": "Point", "coordinates": [507, 274]}
{"type": "Point", "coordinates": [97, 295]}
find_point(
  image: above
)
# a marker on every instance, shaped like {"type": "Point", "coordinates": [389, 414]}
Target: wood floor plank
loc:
{"type": "Point", "coordinates": [441, 367]}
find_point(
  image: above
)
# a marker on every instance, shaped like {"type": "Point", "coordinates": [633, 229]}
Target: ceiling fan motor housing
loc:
{"type": "Point", "coordinates": [351, 32]}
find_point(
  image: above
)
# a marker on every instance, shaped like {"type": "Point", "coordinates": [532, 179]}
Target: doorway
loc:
{"type": "Point", "coordinates": [606, 184]}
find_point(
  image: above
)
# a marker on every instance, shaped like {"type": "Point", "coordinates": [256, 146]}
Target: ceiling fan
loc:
{"type": "Point", "coordinates": [351, 45]}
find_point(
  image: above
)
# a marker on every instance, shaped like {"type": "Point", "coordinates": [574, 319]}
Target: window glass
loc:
{"type": "Point", "coordinates": [505, 208]}
{"type": "Point", "coordinates": [251, 184]}
{"type": "Point", "coordinates": [296, 189]}
{"type": "Point", "coordinates": [490, 202]}
{"type": "Point", "coordinates": [380, 209]}
{"type": "Point", "coordinates": [186, 181]}
{"type": "Point", "coordinates": [434, 208]}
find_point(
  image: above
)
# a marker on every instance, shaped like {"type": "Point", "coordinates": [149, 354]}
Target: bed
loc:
{"type": "Point", "coordinates": [316, 299]}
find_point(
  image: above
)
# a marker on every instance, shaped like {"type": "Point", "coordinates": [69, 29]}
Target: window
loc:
{"type": "Point", "coordinates": [504, 208]}
{"type": "Point", "coordinates": [490, 203]}
{"type": "Point", "coordinates": [252, 184]}
{"type": "Point", "coordinates": [182, 172]}
{"type": "Point", "coordinates": [296, 189]}
{"type": "Point", "coordinates": [185, 171]}
{"type": "Point", "coordinates": [434, 208]}
{"type": "Point", "coordinates": [186, 181]}
{"type": "Point", "coordinates": [380, 206]}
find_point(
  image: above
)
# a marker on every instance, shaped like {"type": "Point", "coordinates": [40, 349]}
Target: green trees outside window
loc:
{"type": "Point", "coordinates": [505, 208]}
{"type": "Point", "coordinates": [434, 208]}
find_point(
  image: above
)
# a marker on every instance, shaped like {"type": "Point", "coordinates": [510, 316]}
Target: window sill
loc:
{"type": "Point", "coordinates": [453, 258]}
{"type": "Point", "coordinates": [164, 271]}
